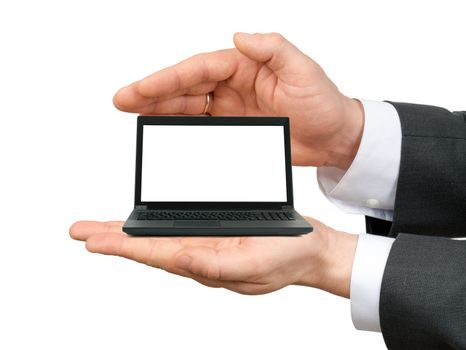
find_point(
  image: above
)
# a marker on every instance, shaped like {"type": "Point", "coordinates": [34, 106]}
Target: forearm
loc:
{"type": "Point", "coordinates": [431, 186]}
{"type": "Point", "coordinates": [422, 300]}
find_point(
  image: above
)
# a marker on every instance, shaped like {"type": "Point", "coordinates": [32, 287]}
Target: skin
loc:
{"type": "Point", "coordinates": [264, 75]}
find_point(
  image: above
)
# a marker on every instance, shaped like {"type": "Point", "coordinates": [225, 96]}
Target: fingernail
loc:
{"type": "Point", "coordinates": [244, 35]}
{"type": "Point", "coordinates": [183, 262]}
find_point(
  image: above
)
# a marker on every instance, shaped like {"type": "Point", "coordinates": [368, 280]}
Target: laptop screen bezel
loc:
{"type": "Point", "coordinates": [177, 120]}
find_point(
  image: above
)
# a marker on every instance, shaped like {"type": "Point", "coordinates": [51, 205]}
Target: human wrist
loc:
{"type": "Point", "coordinates": [339, 264]}
{"type": "Point", "coordinates": [330, 270]}
{"type": "Point", "coordinates": [347, 140]}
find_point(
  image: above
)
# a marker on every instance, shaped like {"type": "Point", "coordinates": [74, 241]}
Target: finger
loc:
{"type": "Point", "coordinates": [199, 69]}
{"type": "Point", "coordinates": [205, 281]}
{"type": "Point", "coordinates": [223, 265]}
{"type": "Point", "coordinates": [235, 286]}
{"type": "Point", "coordinates": [81, 230]}
{"type": "Point", "coordinates": [213, 242]}
{"type": "Point", "coordinates": [247, 287]}
{"type": "Point", "coordinates": [129, 100]}
{"type": "Point", "coordinates": [208, 67]}
{"type": "Point", "coordinates": [155, 252]}
{"type": "Point", "coordinates": [179, 105]}
{"type": "Point", "coordinates": [279, 54]}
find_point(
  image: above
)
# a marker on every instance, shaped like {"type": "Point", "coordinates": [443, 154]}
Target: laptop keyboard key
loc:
{"type": "Point", "coordinates": [216, 215]}
{"type": "Point", "coordinates": [282, 216]}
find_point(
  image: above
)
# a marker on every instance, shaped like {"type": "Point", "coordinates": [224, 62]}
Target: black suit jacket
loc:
{"type": "Point", "coordinates": [423, 295]}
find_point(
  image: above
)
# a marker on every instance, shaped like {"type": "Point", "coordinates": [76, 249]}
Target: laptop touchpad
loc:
{"type": "Point", "coordinates": [197, 223]}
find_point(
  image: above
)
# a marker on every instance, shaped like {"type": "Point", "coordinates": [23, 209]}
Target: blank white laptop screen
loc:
{"type": "Point", "coordinates": [211, 163]}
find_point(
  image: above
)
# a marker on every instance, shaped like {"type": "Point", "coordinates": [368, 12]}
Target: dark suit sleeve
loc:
{"type": "Point", "coordinates": [423, 294]}
{"type": "Point", "coordinates": [431, 190]}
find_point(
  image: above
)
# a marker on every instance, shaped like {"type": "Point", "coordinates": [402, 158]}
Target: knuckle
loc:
{"type": "Point", "coordinates": [276, 38]}
{"type": "Point", "coordinates": [108, 226]}
{"type": "Point", "coordinates": [212, 272]}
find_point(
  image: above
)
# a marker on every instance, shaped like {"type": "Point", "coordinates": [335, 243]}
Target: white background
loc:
{"type": "Point", "coordinates": [67, 154]}
{"type": "Point", "coordinates": [199, 163]}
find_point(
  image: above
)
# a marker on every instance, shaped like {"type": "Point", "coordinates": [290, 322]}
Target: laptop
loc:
{"type": "Point", "coordinates": [214, 176]}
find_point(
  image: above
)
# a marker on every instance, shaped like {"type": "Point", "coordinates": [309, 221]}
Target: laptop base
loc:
{"type": "Point", "coordinates": [223, 228]}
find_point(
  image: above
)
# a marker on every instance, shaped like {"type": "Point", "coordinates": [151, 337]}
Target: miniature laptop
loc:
{"type": "Point", "coordinates": [214, 176]}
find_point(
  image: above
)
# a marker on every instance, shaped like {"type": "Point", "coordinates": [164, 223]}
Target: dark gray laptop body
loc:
{"type": "Point", "coordinates": [214, 218]}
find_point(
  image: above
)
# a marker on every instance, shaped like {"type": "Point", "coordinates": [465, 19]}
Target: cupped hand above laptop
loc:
{"type": "Point", "coordinates": [265, 75]}
{"type": "Point", "coordinates": [248, 265]}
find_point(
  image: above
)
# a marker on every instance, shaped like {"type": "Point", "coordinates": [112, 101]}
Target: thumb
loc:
{"type": "Point", "coordinates": [273, 49]}
{"type": "Point", "coordinates": [213, 264]}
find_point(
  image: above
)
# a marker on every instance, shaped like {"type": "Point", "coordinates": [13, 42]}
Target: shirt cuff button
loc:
{"type": "Point", "coordinates": [372, 203]}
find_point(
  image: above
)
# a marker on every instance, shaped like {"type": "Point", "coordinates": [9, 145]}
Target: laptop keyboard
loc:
{"type": "Point", "coordinates": [216, 215]}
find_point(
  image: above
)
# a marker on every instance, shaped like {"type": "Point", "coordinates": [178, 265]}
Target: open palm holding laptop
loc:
{"type": "Point", "coordinates": [264, 75]}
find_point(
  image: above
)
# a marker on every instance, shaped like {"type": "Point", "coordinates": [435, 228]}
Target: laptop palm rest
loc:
{"type": "Point", "coordinates": [196, 223]}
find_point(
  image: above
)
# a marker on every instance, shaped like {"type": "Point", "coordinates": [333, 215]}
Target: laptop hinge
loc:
{"type": "Point", "coordinates": [287, 207]}
{"type": "Point", "coordinates": [141, 207]}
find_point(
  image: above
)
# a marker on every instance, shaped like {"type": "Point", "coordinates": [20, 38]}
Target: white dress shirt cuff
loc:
{"type": "Point", "coordinates": [368, 187]}
{"type": "Point", "coordinates": [366, 280]}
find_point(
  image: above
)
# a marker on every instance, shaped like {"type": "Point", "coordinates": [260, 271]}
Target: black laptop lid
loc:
{"type": "Point", "coordinates": [213, 162]}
